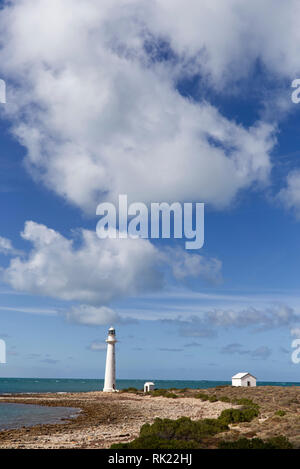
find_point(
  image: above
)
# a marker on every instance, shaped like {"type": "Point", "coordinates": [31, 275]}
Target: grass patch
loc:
{"type": "Point", "coordinates": [280, 413]}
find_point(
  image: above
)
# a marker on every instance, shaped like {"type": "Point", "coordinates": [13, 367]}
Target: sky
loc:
{"type": "Point", "coordinates": [164, 103]}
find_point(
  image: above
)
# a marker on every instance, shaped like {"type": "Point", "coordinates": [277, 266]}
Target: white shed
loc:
{"type": "Point", "coordinates": [243, 379]}
{"type": "Point", "coordinates": [149, 386]}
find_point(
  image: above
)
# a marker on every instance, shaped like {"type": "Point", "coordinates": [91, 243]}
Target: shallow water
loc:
{"type": "Point", "coordinates": [27, 415]}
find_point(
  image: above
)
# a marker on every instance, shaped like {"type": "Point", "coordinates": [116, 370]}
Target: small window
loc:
{"type": "Point", "coordinates": [248, 383]}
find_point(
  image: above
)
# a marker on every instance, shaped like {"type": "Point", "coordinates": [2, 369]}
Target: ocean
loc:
{"type": "Point", "coordinates": [18, 415]}
{"type": "Point", "coordinates": [38, 385]}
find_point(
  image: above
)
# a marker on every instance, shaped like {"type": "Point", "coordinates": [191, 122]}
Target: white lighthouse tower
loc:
{"type": "Point", "coordinates": [110, 368]}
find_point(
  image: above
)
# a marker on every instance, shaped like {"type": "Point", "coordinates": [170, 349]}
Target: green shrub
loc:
{"type": "Point", "coordinates": [245, 402]}
{"type": "Point", "coordinates": [213, 398]}
{"type": "Point", "coordinates": [224, 399]}
{"type": "Point", "coordinates": [163, 393]}
{"type": "Point", "coordinates": [279, 442]}
{"type": "Point", "coordinates": [202, 396]}
{"type": "Point", "coordinates": [153, 442]}
{"type": "Point", "coordinates": [183, 433]}
{"type": "Point", "coordinates": [183, 428]}
{"type": "Point", "coordinates": [280, 413]}
{"type": "Point", "coordinates": [133, 390]}
{"type": "Point", "coordinates": [206, 397]}
{"type": "Point", "coordinates": [238, 415]}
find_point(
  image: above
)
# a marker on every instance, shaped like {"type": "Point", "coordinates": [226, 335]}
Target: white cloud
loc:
{"type": "Point", "coordinates": [100, 117]}
{"type": "Point", "coordinates": [261, 352]}
{"type": "Point", "coordinates": [188, 265]}
{"type": "Point", "coordinates": [7, 248]}
{"type": "Point", "coordinates": [228, 37]}
{"type": "Point", "coordinates": [92, 316]}
{"type": "Point", "coordinates": [290, 195]}
{"type": "Point", "coordinates": [30, 310]}
{"type": "Point", "coordinates": [208, 323]}
{"type": "Point", "coordinates": [96, 272]}
{"type": "Point", "coordinates": [261, 318]}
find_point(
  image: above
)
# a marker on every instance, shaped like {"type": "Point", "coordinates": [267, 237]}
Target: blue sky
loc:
{"type": "Point", "coordinates": [123, 99]}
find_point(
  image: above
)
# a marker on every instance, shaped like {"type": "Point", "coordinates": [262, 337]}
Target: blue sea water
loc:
{"type": "Point", "coordinates": [39, 385]}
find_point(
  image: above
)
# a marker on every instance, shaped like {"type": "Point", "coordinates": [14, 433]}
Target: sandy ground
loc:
{"type": "Point", "coordinates": [105, 418]}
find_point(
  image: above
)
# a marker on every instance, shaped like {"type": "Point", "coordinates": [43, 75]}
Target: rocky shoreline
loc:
{"type": "Point", "coordinates": [113, 418]}
{"type": "Point", "coordinates": [105, 418]}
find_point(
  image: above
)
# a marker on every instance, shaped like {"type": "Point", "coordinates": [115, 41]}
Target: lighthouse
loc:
{"type": "Point", "coordinates": [110, 368]}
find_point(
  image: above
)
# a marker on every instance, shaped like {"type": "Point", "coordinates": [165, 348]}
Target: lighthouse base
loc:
{"type": "Point", "coordinates": [110, 390]}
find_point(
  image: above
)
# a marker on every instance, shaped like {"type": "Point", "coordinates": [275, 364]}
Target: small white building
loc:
{"type": "Point", "coordinates": [243, 379]}
{"type": "Point", "coordinates": [149, 386]}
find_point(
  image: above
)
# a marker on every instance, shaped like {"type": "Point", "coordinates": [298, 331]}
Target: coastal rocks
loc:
{"type": "Point", "coordinates": [105, 419]}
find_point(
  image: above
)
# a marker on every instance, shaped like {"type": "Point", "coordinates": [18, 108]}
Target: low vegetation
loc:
{"type": "Point", "coordinates": [278, 409]}
{"type": "Point", "coordinates": [163, 393]}
{"type": "Point", "coordinates": [130, 390]}
{"type": "Point", "coordinates": [280, 413]}
{"type": "Point", "coordinates": [205, 397]}
{"type": "Point", "coordinates": [174, 434]}
{"type": "Point", "coordinates": [155, 393]}
{"type": "Point", "coordinates": [279, 442]}
{"type": "Point", "coordinates": [185, 433]}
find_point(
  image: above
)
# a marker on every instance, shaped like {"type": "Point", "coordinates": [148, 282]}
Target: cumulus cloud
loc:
{"type": "Point", "coordinates": [95, 272]}
{"type": "Point", "coordinates": [193, 326]}
{"type": "Point", "coordinates": [268, 318]}
{"type": "Point", "coordinates": [92, 316]}
{"type": "Point", "coordinates": [95, 101]}
{"type": "Point", "coordinates": [290, 194]}
{"type": "Point", "coordinates": [227, 38]}
{"type": "Point", "coordinates": [207, 324]}
{"type": "Point", "coordinates": [7, 248]}
{"type": "Point", "coordinates": [186, 265]}
{"type": "Point", "coordinates": [262, 352]}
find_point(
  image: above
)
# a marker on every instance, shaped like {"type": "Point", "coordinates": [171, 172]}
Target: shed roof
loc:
{"type": "Point", "coordinates": [242, 375]}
